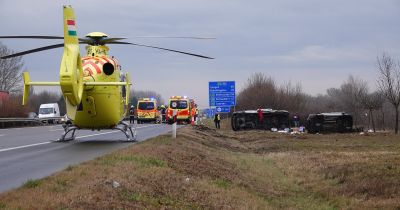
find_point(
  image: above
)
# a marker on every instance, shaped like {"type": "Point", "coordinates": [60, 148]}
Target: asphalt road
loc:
{"type": "Point", "coordinates": [30, 153]}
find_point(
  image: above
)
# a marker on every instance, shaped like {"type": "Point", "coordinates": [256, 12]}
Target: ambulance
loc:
{"type": "Point", "coordinates": [146, 111]}
{"type": "Point", "coordinates": [183, 107]}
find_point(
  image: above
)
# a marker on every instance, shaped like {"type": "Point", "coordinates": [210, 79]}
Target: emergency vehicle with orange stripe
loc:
{"type": "Point", "coordinates": [184, 109]}
{"type": "Point", "coordinates": [147, 111]}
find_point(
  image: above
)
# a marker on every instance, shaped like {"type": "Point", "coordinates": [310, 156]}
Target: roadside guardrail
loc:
{"type": "Point", "coordinates": [20, 122]}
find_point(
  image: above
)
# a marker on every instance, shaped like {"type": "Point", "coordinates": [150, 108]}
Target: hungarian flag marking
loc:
{"type": "Point", "coordinates": [71, 27]}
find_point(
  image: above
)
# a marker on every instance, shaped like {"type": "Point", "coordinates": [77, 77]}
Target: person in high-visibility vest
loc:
{"type": "Point", "coordinates": [163, 111]}
{"type": "Point", "coordinates": [132, 115]}
{"type": "Point", "coordinates": [217, 120]}
{"type": "Point", "coordinates": [196, 116]}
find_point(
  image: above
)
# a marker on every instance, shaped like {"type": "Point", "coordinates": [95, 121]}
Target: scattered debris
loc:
{"type": "Point", "coordinates": [115, 184]}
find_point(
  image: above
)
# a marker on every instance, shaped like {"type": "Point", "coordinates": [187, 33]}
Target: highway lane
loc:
{"type": "Point", "coordinates": [29, 153]}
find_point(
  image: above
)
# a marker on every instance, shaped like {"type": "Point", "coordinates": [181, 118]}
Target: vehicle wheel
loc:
{"type": "Point", "coordinates": [233, 123]}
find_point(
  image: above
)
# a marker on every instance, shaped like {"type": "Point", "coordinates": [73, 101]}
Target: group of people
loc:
{"type": "Point", "coordinates": [260, 115]}
{"type": "Point", "coordinates": [217, 117]}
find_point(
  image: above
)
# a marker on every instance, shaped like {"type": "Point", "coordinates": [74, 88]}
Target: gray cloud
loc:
{"type": "Point", "coordinates": [318, 43]}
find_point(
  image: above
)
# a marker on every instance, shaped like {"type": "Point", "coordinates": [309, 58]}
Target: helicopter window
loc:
{"type": "Point", "coordinates": [108, 69]}
{"type": "Point", "coordinates": [146, 105]}
{"type": "Point", "coordinates": [177, 104]}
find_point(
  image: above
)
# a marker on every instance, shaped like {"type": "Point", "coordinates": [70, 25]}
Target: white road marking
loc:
{"type": "Point", "coordinates": [1, 135]}
{"type": "Point", "coordinates": [27, 127]}
{"type": "Point", "coordinates": [20, 147]}
{"type": "Point", "coordinates": [61, 129]}
{"type": "Point", "coordinates": [78, 137]}
{"type": "Point", "coordinates": [97, 134]}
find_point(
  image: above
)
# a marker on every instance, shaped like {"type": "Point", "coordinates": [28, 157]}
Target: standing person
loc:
{"type": "Point", "coordinates": [163, 113]}
{"type": "Point", "coordinates": [132, 115]}
{"type": "Point", "coordinates": [296, 121]}
{"type": "Point", "coordinates": [217, 120]}
{"type": "Point", "coordinates": [196, 116]}
{"type": "Point", "coordinates": [260, 117]}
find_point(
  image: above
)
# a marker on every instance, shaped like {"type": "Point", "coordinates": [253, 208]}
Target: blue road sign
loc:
{"type": "Point", "coordinates": [223, 109]}
{"type": "Point", "coordinates": [222, 93]}
{"type": "Point", "coordinates": [209, 112]}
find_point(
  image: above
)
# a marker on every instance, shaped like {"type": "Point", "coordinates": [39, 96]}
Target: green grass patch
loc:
{"type": "Point", "coordinates": [154, 201]}
{"type": "Point", "coordinates": [144, 162]}
{"type": "Point", "coordinates": [161, 140]}
{"type": "Point", "coordinates": [274, 182]}
{"type": "Point", "coordinates": [222, 183]}
{"type": "Point", "coordinates": [135, 196]}
{"type": "Point", "coordinates": [3, 205]}
{"type": "Point", "coordinates": [60, 186]}
{"type": "Point", "coordinates": [32, 183]}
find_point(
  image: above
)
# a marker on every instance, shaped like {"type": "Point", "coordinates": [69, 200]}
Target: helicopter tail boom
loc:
{"type": "Point", "coordinates": [71, 72]}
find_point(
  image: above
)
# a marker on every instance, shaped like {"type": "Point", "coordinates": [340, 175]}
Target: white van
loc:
{"type": "Point", "coordinates": [49, 111]}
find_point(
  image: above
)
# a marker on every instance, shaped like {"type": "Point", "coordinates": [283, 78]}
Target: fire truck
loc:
{"type": "Point", "coordinates": [183, 107]}
{"type": "Point", "coordinates": [147, 111]}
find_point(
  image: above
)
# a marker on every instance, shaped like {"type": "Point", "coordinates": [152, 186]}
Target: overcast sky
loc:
{"type": "Point", "coordinates": [314, 42]}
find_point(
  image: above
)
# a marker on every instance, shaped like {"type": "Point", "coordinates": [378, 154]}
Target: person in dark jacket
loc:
{"type": "Point", "coordinates": [132, 115]}
{"type": "Point", "coordinates": [217, 120]}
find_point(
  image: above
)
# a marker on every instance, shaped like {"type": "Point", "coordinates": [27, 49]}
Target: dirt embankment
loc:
{"type": "Point", "coordinates": [206, 168]}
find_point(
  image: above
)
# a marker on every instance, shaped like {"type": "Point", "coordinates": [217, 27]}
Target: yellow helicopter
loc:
{"type": "Point", "coordinates": [95, 90]}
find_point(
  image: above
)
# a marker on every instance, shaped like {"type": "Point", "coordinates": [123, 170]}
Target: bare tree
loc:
{"type": "Point", "coordinates": [10, 71]}
{"type": "Point", "coordinates": [36, 99]}
{"type": "Point", "coordinates": [389, 83]}
{"type": "Point", "coordinates": [260, 91]}
{"type": "Point", "coordinates": [348, 97]}
{"type": "Point", "coordinates": [136, 95]}
{"type": "Point", "coordinates": [371, 102]}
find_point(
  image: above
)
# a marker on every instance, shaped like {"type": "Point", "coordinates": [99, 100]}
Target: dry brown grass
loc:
{"type": "Point", "coordinates": [206, 168]}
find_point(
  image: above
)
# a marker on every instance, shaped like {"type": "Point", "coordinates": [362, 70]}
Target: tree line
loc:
{"type": "Point", "coordinates": [377, 109]}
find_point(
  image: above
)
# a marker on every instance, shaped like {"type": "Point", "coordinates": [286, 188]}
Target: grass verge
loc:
{"type": "Point", "coordinates": [206, 168]}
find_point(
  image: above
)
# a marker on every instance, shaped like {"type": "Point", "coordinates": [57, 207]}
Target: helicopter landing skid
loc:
{"type": "Point", "coordinates": [124, 127]}
{"type": "Point", "coordinates": [67, 129]}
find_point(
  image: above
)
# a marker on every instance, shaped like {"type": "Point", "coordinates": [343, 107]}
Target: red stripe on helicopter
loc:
{"type": "Point", "coordinates": [70, 22]}
{"type": "Point", "coordinates": [106, 60]}
{"type": "Point", "coordinates": [96, 67]}
{"type": "Point", "coordinates": [89, 70]}
{"type": "Point", "coordinates": [110, 60]}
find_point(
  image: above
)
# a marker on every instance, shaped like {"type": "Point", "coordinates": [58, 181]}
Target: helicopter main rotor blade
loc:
{"type": "Point", "coordinates": [108, 40]}
{"type": "Point", "coordinates": [175, 37]}
{"type": "Point", "coordinates": [33, 51]}
{"type": "Point", "coordinates": [161, 48]}
{"type": "Point", "coordinates": [31, 37]}
{"type": "Point", "coordinates": [98, 41]}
